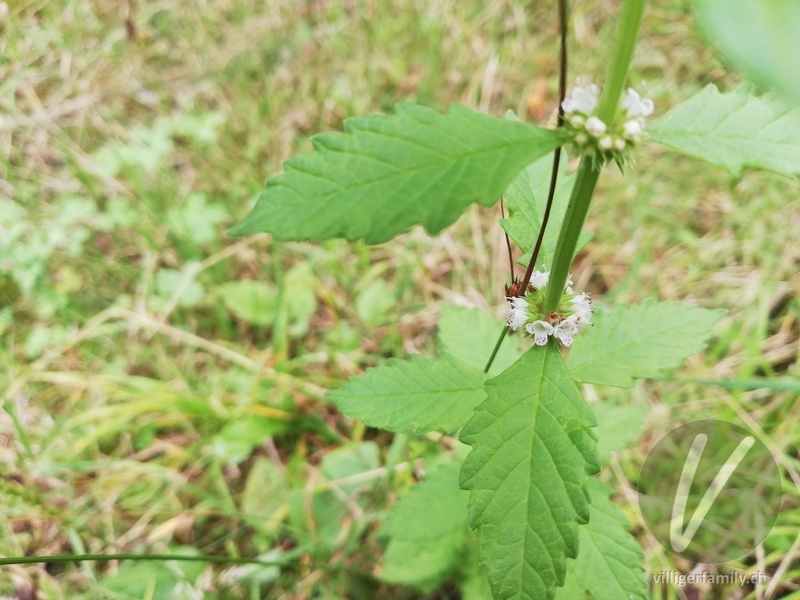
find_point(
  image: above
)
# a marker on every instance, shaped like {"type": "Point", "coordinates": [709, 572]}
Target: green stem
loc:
{"type": "Point", "coordinates": [496, 348]}
{"type": "Point", "coordinates": [588, 172]}
{"type": "Point", "coordinates": [630, 17]}
{"type": "Point", "coordinates": [25, 560]}
{"type": "Point", "coordinates": [578, 207]}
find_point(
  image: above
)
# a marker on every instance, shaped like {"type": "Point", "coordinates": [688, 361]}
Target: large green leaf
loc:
{"type": "Point", "coordinates": [532, 452]}
{"type": "Point", "coordinates": [419, 395]}
{"type": "Point", "coordinates": [609, 564]}
{"type": "Point", "coordinates": [427, 531]}
{"type": "Point", "coordinates": [392, 172]}
{"type": "Point", "coordinates": [636, 341]}
{"type": "Point", "coordinates": [526, 199]}
{"type": "Point", "coordinates": [470, 335]}
{"type": "Point", "coordinates": [759, 37]}
{"type": "Point", "coordinates": [735, 131]}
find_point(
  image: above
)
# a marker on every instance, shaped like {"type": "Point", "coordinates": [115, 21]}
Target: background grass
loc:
{"type": "Point", "coordinates": [163, 384]}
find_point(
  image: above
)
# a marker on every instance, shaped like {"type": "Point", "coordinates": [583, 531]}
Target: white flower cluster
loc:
{"type": "Point", "coordinates": [574, 311]}
{"type": "Point", "coordinates": [607, 139]}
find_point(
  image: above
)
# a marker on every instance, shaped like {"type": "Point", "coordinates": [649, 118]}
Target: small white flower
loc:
{"type": "Point", "coordinates": [635, 105]}
{"type": "Point", "coordinates": [539, 330]}
{"type": "Point", "coordinates": [577, 121]}
{"type": "Point", "coordinates": [605, 142]}
{"type": "Point", "coordinates": [583, 99]}
{"type": "Point", "coordinates": [539, 279]}
{"type": "Point", "coordinates": [595, 126]}
{"type": "Point", "coordinates": [581, 299]}
{"type": "Point", "coordinates": [582, 307]}
{"type": "Point", "coordinates": [581, 139]}
{"type": "Point", "coordinates": [632, 129]}
{"type": "Point", "coordinates": [619, 144]}
{"type": "Point", "coordinates": [517, 314]}
{"type": "Point", "coordinates": [565, 331]}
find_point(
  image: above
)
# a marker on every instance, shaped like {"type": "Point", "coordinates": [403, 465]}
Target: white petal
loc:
{"type": "Point", "coordinates": [566, 339]}
{"type": "Point", "coordinates": [595, 126]}
{"type": "Point", "coordinates": [539, 328]}
{"type": "Point", "coordinates": [635, 105]}
{"type": "Point", "coordinates": [585, 101]}
{"type": "Point", "coordinates": [580, 298]}
{"type": "Point", "coordinates": [517, 318]}
{"type": "Point", "coordinates": [569, 326]}
{"type": "Point", "coordinates": [539, 279]}
{"type": "Point", "coordinates": [518, 303]}
{"type": "Point", "coordinates": [632, 129]}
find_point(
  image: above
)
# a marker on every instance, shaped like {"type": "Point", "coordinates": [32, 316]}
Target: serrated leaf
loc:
{"type": "Point", "coordinates": [419, 395]}
{"type": "Point", "coordinates": [526, 199]}
{"type": "Point", "coordinates": [759, 38]}
{"type": "Point", "coordinates": [609, 564]}
{"type": "Point", "coordinates": [734, 131]}
{"type": "Point", "coordinates": [571, 590]}
{"type": "Point", "coordinates": [532, 452]}
{"type": "Point", "coordinates": [470, 335]}
{"type": "Point", "coordinates": [427, 530]}
{"type": "Point", "coordinates": [392, 172]}
{"type": "Point", "coordinates": [637, 341]}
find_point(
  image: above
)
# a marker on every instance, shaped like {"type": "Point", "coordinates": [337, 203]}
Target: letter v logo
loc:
{"type": "Point", "coordinates": [679, 537]}
{"type": "Point", "coordinates": [710, 491]}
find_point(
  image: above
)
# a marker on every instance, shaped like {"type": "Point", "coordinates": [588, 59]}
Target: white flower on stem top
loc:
{"type": "Point", "coordinates": [565, 331]}
{"type": "Point", "coordinates": [539, 279]}
{"type": "Point", "coordinates": [635, 105]}
{"type": "Point", "coordinates": [539, 330]}
{"type": "Point", "coordinates": [518, 313]}
{"type": "Point", "coordinates": [583, 99]}
{"type": "Point", "coordinates": [595, 126]}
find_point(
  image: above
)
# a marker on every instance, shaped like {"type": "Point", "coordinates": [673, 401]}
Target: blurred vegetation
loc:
{"type": "Point", "coordinates": [163, 384]}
